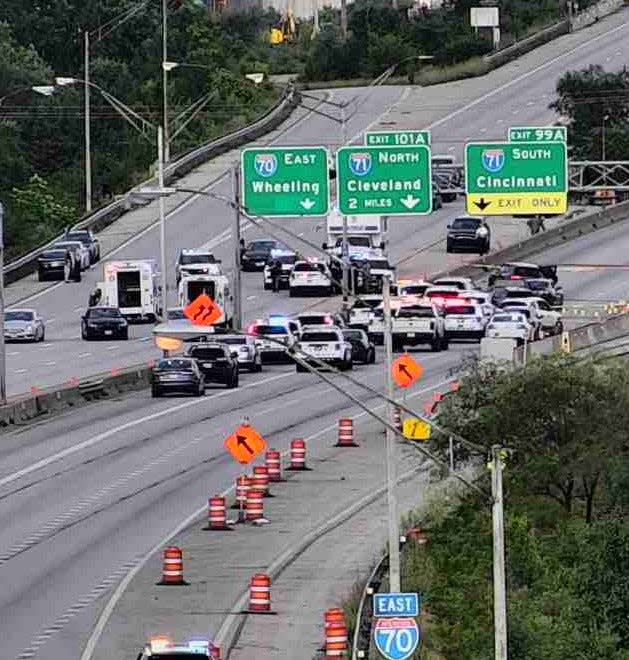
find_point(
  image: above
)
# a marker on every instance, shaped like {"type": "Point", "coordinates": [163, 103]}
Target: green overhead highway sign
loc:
{"type": "Point", "coordinates": [396, 138]}
{"type": "Point", "coordinates": [508, 178]}
{"type": "Point", "coordinates": [385, 180]}
{"type": "Point", "coordinates": [290, 181]}
{"type": "Point", "coordinates": [538, 134]}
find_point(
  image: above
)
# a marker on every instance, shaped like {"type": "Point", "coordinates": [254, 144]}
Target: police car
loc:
{"type": "Point", "coordinates": [326, 344]}
{"type": "Point", "coordinates": [308, 277]}
{"type": "Point", "coordinates": [412, 287]}
{"type": "Point", "coordinates": [362, 311]}
{"type": "Point", "coordinates": [510, 325]}
{"type": "Point", "coordinates": [287, 259]}
{"type": "Point", "coordinates": [165, 649]}
{"type": "Point", "coordinates": [464, 320]}
{"type": "Point", "coordinates": [273, 337]}
{"type": "Point", "coordinates": [197, 261]}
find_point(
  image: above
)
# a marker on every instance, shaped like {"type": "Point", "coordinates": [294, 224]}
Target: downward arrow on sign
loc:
{"type": "Point", "coordinates": [409, 201]}
{"type": "Point", "coordinates": [482, 204]}
{"type": "Point", "coordinates": [307, 203]}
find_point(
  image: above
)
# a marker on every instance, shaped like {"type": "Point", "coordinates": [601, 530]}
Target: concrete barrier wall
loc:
{"type": "Point", "coordinates": [593, 13]}
{"type": "Point", "coordinates": [102, 218]}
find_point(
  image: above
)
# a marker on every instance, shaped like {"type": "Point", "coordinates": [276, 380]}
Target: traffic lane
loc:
{"type": "Point", "coordinates": [112, 533]}
{"type": "Point", "coordinates": [525, 100]}
{"type": "Point", "coordinates": [607, 246]}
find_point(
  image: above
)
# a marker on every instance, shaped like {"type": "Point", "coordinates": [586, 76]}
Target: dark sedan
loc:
{"type": "Point", "coordinates": [216, 363]}
{"type": "Point", "coordinates": [180, 374]}
{"type": "Point", "coordinates": [56, 264]}
{"type": "Point", "coordinates": [104, 323]}
{"type": "Point", "coordinates": [362, 349]}
{"type": "Point", "coordinates": [257, 253]}
{"type": "Point", "coordinates": [468, 234]}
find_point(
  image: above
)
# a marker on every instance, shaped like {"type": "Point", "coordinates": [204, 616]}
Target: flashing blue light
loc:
{"type": "Point", "coordinates": [199, 645]}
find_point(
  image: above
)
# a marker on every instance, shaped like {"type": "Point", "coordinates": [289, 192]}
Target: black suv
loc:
{"type": "Point", "coordinates": [216, 363]}
{"type": "Point", "coordinates": [362, 349]}
{"type": "Point", "coordinates": [256, 255]}
{"type": "Point", "coordinates": [468, 233]}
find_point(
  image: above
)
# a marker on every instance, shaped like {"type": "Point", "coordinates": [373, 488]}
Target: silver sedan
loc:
{"type": "Point", "coordinates": [23, 325]}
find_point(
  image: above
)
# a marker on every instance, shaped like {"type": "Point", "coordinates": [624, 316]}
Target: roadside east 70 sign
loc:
{"type": "Point", "coordinates": [395, 605]}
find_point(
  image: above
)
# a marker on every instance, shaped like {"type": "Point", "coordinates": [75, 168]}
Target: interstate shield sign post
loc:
{"type": "Point", "coordinates": [291, 181]}
{"type": "Point", "coordinates": [384, 180]}
{"type": "Point", "coordinates": [507, 178]}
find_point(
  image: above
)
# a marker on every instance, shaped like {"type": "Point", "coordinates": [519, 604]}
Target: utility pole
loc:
{"type": "Point", "coordinates": [394, 523]}
{"type": "Point", "coordinates": [88, 137]}
{"type": "Point", "coordinates": [315, 13]}
{"type": "Point", "coordinates": [162, 221]}
{"type": "Point", "coordinates": [500, 586]}
{"type": "Point", "coordinates": [236, 240]}
{"type": "Point", "coordinates": [3, 363]}
{"type": "Point", "coordinates": [165, 79]}
{"type": "Point", "coordinates": [345, 247]}
{"type": "Point", "coordinates": [344, 18]}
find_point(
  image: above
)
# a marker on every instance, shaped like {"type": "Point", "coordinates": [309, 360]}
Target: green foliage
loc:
{"type": "Point", "coordinates": [43, 38]}
{"type": "Point", "coordinates": [567, 575]}
{"type": "Point", "coordinates": [584, 99]}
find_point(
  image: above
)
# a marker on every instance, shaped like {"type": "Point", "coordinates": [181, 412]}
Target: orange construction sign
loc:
{"type": "Point", "coordinates": [203, 311]}
{"type": "Point", "coordinates": [406, 371]}
{"type": "Point", "coordinates": [245, 444]}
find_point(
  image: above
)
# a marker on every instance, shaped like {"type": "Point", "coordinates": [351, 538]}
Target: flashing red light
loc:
{"type": "Point", "coordinates": [253, 330]}
{"type": "Point", "coordinates": [516, 277]}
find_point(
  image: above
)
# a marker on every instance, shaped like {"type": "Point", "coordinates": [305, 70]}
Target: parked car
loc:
{"type": "Point", "coordinates": [23, 325]}
{"type": "Point", "coordinates": [256, 254]}
{"type": "Point", "coordinates": [88, 239]}
{"type": "Point", "coordinates": [179, 374]}
{"type": "Point", "coordinates": [362, 349]}
{"type": "Point", "coordinates": [245, 349]}
{"type": "Point", "coordinates": [81, 252]}
{"type": "Point", "coordinates": [216, 362]}
{"type": "Point", "coordinates": [104, 323]}
{"type": "Point", "coordinates": [468, 233]}
{"type": "Point", "coordinates": [57, 264]}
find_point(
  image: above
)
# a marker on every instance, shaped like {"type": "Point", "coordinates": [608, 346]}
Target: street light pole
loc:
{"type": "Point", "coordinates": [500, 585]}
{"type": "Point", "coordinates": [88, 137]}
{"type": "Point", "coordinates": [236, 240]}
{"type": "Point", "coordinates": [603, 154]}
{"type": "Point", "coordinates": [165, 79]}
{"type": "Point", "coordinates": [394, 524]}
{"type": "Point", "coordinates": [162, 222]}
{"type": "Point", "coordinates": [344, 248]}
{"type": "Point", "coordinates": [3, 364]}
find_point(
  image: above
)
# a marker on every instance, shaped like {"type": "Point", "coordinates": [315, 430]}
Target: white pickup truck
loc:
{"type": "Point", "coordinates": [418, 324]}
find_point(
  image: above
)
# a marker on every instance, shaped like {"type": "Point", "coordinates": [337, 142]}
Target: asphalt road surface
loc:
{"type": "Point", "coordinates": [484, 115]}
{"type": "Point", "coordinates": [82, 496]}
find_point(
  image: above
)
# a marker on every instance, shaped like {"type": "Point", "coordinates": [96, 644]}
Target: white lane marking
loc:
{"type": "Point", "coordinates": [53, 458]}
{"type": "Point", "coordinates": [13, 353]}
{"type": "Point", "coordinates": [501, 121]}
{"type": "Point", "coordinates": [52, 363]}
{"type": "Point", "coordinates": [251, 298]}
{"type": "Point", "coordinates": [515, 112]}
{"type": "Point", "coordinates": [530, 103]}
{"type": "Point", "coordinates": [46, 345]}
{"type": "Point", "coordinates": [527, 74]}
{"type": "Point", "coordinates": [113, 348]}
{"type": "Point", "coordinates": [483, 130]}
{"type": "Point", "coordinates": [83, 355]}
{"type": "Point", "coordinates": [21, 371]}
{"type": "Point", "coordinates": [108, 610]}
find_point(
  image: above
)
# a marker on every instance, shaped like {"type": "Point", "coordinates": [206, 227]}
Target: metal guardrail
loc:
{"type": "Point", "coordinates": [105, 216]}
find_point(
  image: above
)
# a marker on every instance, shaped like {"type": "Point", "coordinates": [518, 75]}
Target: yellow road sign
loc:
{"type": "Point", "coordinates": [510, 203]}
{"type": "Point", "coordinates": [416, 429]}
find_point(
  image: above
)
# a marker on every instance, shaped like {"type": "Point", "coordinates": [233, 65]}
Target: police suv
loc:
{"type": "Point", "coordinates": [326, 344]}
{"type": "Point", "coordinates": [196, 261]}
{"type": "Point", "coordinates": [464, 320]}
{"type": "Point", "coordinates": [418, 324]}
{"type": "Point", "coordinates": [308, 277]}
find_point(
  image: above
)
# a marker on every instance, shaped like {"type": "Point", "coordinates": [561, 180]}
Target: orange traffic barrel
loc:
{"type": "Point", "coordinates": [255, 505]}
{"type": "Point", "coordinates": [273, 463]}
{"type": "Point", "coordinates": [297, 455]}
{"type": "Point", "coordinates": [217, 514]}
{"type": "Point", "coordinates": [260, 594]}
{"type": "Point", "coordinates": [172, 571]}
{"type": "Point", "coordinates": [346, 433]}
{"type": "Point", "coordinates": [336, 635]}
{"type": "Point", "coordinates": [261, 480]}
{"type": "Point", "coordinates": [242, 486]}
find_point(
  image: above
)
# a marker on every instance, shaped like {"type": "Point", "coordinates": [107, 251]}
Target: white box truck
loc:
{"type": "Point", "coordinates": [217, 287]}
{"type": "Point", "coordinates": [132, 286]}
{"type": "Point", "coordinates": [364, 232]}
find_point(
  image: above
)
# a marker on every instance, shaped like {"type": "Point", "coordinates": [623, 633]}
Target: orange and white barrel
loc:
{"type": "Point", "coordinates": [260, 594]}
{"type": "Point", "coordinates": [273, 463]}
{"type": "Point", "coordinates": [217, 513]}
{"type": "Point", "coordinates": [260, 480]}
{"type": "Point", "coordinates": [172, 571]}
{"type": "Point", "coordinates": [255, 505]}
{"type": "Point", "coordinates": [346, 433]}
{"type": "Point", "coordinates": [297, 454]}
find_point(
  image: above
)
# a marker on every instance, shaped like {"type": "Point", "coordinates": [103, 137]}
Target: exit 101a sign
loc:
{"type": "Point", "coordinates": [508, 178]}
{"type": "Point", "coordinates": [538, 134]}
{"type": "Point", "coordinates": [396, 138]}
{"type": "Point", "coordinates": [384, 180]}
{"type": "Point", "coordinates": [286, 181]}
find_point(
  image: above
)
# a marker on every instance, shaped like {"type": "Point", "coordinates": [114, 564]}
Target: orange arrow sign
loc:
{"type": "Point", "coordinates": [245, 444]}
{"type": "Point", "coordinates": [203, 311]}
{"type": "Point", "coordinates": [406, 371]}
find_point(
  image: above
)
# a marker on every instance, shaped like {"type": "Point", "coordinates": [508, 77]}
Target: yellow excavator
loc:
{"type": "Point", "coordinates": [285, 29]}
